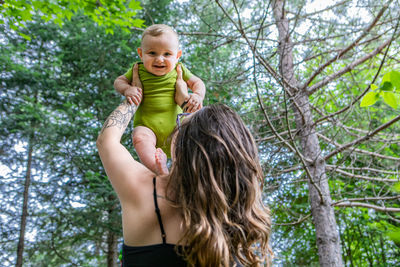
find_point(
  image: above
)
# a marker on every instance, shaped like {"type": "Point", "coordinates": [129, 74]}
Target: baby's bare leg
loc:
{"type": "Point", "coordinates": [161, 162]}
{"type": "Point", "coordinates": [144, 141]}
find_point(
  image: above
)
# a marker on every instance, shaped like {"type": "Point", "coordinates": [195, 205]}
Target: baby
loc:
{"type": "Point", "coordinates": [159, 102]}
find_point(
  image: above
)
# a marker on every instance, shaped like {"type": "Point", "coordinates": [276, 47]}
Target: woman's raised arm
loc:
{"type": "Point", "coordinates": [124, 172]}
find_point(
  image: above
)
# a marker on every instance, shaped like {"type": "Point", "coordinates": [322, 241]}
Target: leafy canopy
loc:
{"type": "Point", "coordinates": [108, 14]}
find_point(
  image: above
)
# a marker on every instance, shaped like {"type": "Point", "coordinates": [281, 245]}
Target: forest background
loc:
{"type": "Point", "coordinates": [317, 82]}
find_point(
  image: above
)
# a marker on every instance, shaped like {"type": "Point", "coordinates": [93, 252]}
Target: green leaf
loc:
{"type": "Point", "coordinates": [68, 14]}
{"type": "Point", "coordinates": [135, 5]}
{"type": "Point", "coordinates": [390, 99]}
{"type": "Point", "coordinates": [374, 87]}
{"type": "Point", "coordinates": [386, 86]}
{"type": "Point", "coordinates": [138, 23]}
{"type": "Point", "coordinates": [109, 30]}
{"type": "Point", "coordinates": [27, 37]}
{"type": "Point", "coordinates": [369, 99]}
{"type": "Point", "coordinates": [395, 79]}
{"type": "Point", "coordinates": [37, 4]}
{"type": "Point", "coordinates": [394, 235]}
{"type": "Point", "coordinates": [385, 78]}
{"type": "Point", "coordinates": [26, 15]}
{"type": "Point", "coordinates": [397, 187]}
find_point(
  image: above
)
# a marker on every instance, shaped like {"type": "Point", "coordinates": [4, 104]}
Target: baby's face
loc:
{"type": "Point", "coordinates": [160, 53]}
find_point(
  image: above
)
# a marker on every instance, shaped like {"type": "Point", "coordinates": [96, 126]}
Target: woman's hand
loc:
{"type": "Point", "coordinates": [195, 103]}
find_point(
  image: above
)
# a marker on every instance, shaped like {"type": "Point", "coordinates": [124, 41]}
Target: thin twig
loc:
{"type": "Point", "coordinates": [366, 152]}
{"type": "Point", "coordinates": [300, 220]}
{"type": "Point", "coordinates": [363, 177]}
{"type": "Point", "coordinates": [362, 139]}
{"type": "Point", "coordinates": [368, 87]}
{"type": "Point", "coordinates": [348, 68]}
{"type": "Point", "coordinates": [367, 169]}
{"type": "Point", "coordinates": [367, 199]}
{"type": "Point", "coordinates": [365, 205]}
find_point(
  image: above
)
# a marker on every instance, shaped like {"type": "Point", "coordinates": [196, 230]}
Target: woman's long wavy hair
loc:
{"type": "Point", "coordinates": [216, 180]}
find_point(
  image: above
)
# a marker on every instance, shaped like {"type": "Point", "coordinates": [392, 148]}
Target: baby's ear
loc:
{"type": "Point", "coordinates": [139, 51]}
{"type": "Point", "coordinates": [179, 54]}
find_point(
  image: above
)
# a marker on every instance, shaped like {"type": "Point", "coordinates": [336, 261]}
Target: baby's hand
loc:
{"type": "Point", "coordinates": [195, 103]}
{"type": "Point", "coordinates": [134, 93]}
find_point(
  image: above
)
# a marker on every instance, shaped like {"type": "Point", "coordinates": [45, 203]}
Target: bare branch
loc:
{"type": "Point", "coordinates": [263, 62]}
{"type": "Point", "coordinates": [364, 138]}
{"type": "Point", "coordinates": [367, 199]}
{"type": "Point", "coordinates": [348, 68]}
{"type": "Point", "coordinates": [299, 221]}
{"type": "Point", "coordinates": [266, 65]}
{"type": "Point", "coordinates": [365, 205]}
{"type": "Point", "coordinates": [364, 169]}
{"type": "Point", "coordinates": [271, 137]}
{"type": "Point", "coordinates": [363, 177]}
{"type": "Point", "coordinates": [395, 136]}
{"type": "Point", "coordinates": [228, 37]}
{"type": "Point", "coordinates": [260, 101]}
{"type": "Point", "coordinates": [295, 168]}
{"type": "Point", "coordinates": [366, 90]}
{"type": "Point", "coordinates": [374, 154]}
{"type": "Point", "coordinates": [320, 11]}
{"type": "Point", "coordinates": [345, 50]}
{"type": "Point", "coordinates": [392, 218]}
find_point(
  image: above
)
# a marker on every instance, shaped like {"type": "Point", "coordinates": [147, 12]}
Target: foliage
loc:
{"type": "Point", "coordinates": [394, 232]}
{"type": "Point", "coordinates": [61, 99]}
{"type": "Point", "coordinates": [109, 14]}
{"type": "Point", "coordinates": [389, 90]}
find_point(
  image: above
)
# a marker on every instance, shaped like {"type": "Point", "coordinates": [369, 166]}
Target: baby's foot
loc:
{"type": "Point", "coordinates": [181, 92]}
{"type": "Point", "coordinates": [161, 162]}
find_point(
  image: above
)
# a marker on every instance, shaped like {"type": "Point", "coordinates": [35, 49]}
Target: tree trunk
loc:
{"type": "Point", "coordinates": [24, 216]}
{"type": "Point", "coordinates": [327, 236]}
{"type": "Point", "coordinates": [112, 241]}
{"type": "Point", "coordinates": [112, 249]}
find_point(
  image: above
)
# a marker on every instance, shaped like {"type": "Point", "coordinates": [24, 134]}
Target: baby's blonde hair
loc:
{"type": "Point", "coordinates": [158, 29]}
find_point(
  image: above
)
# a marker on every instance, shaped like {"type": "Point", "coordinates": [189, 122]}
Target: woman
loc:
{"type": "Point", "coordinates": [207, 211]}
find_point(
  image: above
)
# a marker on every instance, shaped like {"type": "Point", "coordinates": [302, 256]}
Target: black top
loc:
{"type": "Point", "coordinates": [157, 255]}
{"type": "Point", "coordinates": [153, 255]}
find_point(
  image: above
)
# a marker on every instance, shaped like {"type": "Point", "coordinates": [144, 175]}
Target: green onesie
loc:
{"type": "Point", "coordinates": [158, 109]}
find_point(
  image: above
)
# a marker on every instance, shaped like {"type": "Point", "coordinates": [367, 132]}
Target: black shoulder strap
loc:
{"type": "Point", "coordinates": [163, 235]}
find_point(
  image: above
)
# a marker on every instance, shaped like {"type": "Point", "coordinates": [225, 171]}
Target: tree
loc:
{"type": "Point", "coordinates": [310, 69]}
{"type": "Point", "coordinates": [24, 120]}
{"type": "Point", "coordinates": [54, 106]}
{"type": "Point", "coordinates": [299, 95]}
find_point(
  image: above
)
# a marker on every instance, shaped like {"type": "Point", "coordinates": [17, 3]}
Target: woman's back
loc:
{"type": "Point", "coordinates": [167, 253]}
{"type": "Point", "coordinates": [139, 220]}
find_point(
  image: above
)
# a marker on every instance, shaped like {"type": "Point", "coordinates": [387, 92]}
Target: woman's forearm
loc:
{"type": "Point", "coordinates": [121, 84]}
{"type": "Point", "coordinates": [116, 123]}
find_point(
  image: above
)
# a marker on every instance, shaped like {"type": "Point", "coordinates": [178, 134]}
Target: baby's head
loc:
{"type": "Point", "coordinates": [159, 49]}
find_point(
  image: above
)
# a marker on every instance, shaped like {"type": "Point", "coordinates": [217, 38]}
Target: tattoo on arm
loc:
{"type": "Point", "coordinates": [120, 117]}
